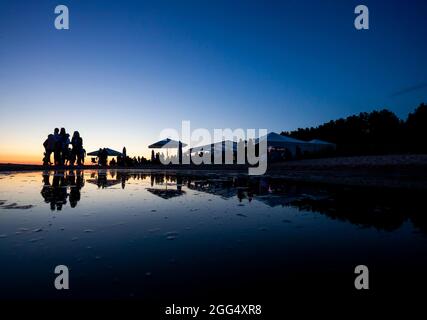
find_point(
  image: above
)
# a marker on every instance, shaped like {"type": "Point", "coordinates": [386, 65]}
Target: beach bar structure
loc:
{"type": "Point", "coordinates": [110, 153]}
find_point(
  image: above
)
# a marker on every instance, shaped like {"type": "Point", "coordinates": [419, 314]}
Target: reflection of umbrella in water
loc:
{"type": "Point", "coordinates": [105, 183]}
{"type": "Point", "coordinates": [110, 153]}
{"type": "Point", "coordinates": [166, 144]}
{"type": "Point", "coordinates": [165, 193]}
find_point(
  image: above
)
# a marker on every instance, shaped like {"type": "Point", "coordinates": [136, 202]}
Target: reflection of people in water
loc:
{"type": "Point", "coordinates": [57, 193]}
{"type": "Point", "coordinates": [123, 181]}
{"type": "Point", "coordinates": [179, 183]}
{"type": "Point", "coordinates": [76, 183]}
{"type": "Point", "coordinates": [102, 180]}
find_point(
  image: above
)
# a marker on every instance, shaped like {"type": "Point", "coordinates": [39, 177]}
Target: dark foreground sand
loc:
{"type": "Point", "coordinates": [390, 171]}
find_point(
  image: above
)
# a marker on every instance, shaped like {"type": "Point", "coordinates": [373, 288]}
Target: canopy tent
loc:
{"type": "Point", "coordinates": [295, 146]}
{"type": "Point", "coordinates": [166, 143]}
{"type": "Point", "coordinates": [318, 141]}
{"type": "Point", "coordinates": [218, 146]}
{"type": "Point", "coordinates": [277, 140]}
{"type": "Point", "coordinates": [110, 153]}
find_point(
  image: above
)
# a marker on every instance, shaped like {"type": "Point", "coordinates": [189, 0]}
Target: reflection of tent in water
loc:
{"type": "Point", "coordinates": [166, 193]}
{"type": "Point", "coordinates": [102, 182]}
{"type": "Point", "coordinates": [110, 153]}
{"type": "Point", "coordinates": [219, 187]}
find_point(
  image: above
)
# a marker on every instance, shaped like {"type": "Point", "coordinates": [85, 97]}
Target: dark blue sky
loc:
{"type": "Point", "coordinates": [251, 64]}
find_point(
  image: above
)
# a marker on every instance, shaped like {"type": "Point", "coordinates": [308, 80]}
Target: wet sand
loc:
{"type": "Point", "coordinates": [390, 171]}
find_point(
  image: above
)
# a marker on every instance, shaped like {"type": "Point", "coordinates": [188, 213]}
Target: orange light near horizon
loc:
{"type": "Point", "coordinates": [37, 159]}
{"type": "Point", "coordinates": [21, 159]}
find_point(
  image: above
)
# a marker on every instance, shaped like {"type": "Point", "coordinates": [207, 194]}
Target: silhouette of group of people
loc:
{"type": "Point", "coordinates": [59, 143]}
{"type": "Point", "coordinates": [122, 160]}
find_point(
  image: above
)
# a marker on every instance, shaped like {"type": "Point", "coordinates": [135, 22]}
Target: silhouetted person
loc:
{"type": "Point", "coordinates": [49, 147]}
{"type": "Point", "coordinates": [102, 180]}
{"type": "Point", "coordinates": [76, 184]}
{"type": "Point", "coordinates": [77, 151]}
{"type": "Point", "coordinates": [65, 141]}
{"type": "Point", "coordinates": [47, 190]}
{"type": "Point", "coordinates": [100, 157]}
{"type": "Point", "coordinates": [46, 182]}
{"type": "Point", "coordinates": [123, 181]}
{"type": "Point", "coordinates": [105, 158]}
{"type": "Point", "coordinates": [57, 148]}
{"type": "Point", "coordinates": [179, 183]}
{"type": "Point", "coordinates": [180, 152]}
{"type": "Point", "coordinates": [124, 156]}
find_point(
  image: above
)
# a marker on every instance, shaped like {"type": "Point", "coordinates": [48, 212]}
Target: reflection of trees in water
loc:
{"type": "Point", "coordinates": [56, 192]}
{"type": "Point", "coordinates": [382, 209]}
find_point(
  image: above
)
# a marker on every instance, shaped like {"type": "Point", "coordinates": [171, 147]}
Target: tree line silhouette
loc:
{"type": "Point", "coordinates": [368, 133]}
